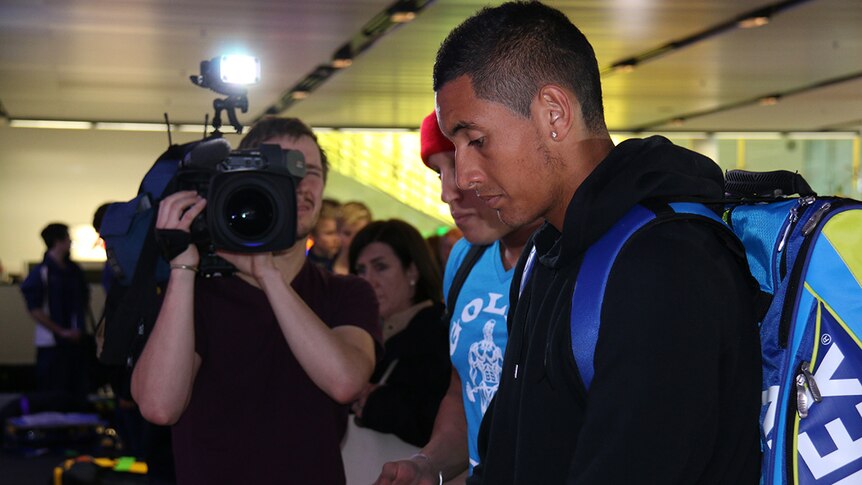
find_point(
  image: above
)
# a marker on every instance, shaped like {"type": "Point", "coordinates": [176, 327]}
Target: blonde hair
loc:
{"type": "Point", "coordinates": [353, 212]}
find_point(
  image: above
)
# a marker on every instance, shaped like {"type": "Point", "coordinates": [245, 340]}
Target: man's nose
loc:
{"type": "Point", "coordinates": [468, 175]}
{"type": "Point", "coordinates": [449, 191]}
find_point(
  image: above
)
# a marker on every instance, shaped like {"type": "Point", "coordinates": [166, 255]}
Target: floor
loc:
{"type": "Point", "coordinates": [26, 469]}
{"type": "Point", "coordinates": [23, 462]}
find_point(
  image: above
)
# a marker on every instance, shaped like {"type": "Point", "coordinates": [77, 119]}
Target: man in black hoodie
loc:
{"type": "Point", "coordinates": [675, 393]}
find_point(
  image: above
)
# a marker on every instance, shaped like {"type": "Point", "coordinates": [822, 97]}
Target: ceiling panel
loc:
{"type": "Point", "coordinates": [131, 60]}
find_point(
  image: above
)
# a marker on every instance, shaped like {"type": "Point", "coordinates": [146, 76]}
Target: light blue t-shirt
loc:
{"type": "Point", "coordinates": [477, 332]}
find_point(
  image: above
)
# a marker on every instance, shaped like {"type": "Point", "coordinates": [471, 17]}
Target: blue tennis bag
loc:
{"type": "Point", "coordinates": [806, 254]}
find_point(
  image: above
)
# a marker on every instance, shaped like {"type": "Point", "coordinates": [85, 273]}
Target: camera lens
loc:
{"type": "Point", "coordinates": [249, 213]}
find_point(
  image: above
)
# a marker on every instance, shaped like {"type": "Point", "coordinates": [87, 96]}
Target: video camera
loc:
{"type": "Point", "coordinates": [251, 208]}
{"type": "Point", "coordinates": [251, 197]}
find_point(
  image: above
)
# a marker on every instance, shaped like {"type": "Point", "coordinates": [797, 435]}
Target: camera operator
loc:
{"type": "Point", "coordinates": [253, 370]}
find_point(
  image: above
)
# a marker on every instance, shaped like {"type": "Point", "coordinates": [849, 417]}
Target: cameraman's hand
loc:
{"type": "Point", "coordinates": [176, 212]}
{"type": "Point", "coordinates": [256, 265]}
{"type": "Point", "coordinates": [415, 471]}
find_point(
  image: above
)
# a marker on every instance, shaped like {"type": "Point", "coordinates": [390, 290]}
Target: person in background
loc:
{"type": "Point", "coordinates": [411, 378]}
{"type": "Point", "coordinates": [255, 371]}
{"type": "Point", "coordinates": [447, 242]}
{"type": "Point", "coordinates": [477, 327]}
{"type": "Point", "coordinates": [327, 241]}
{"type": "Point", "coordinates": [354, 216]}
{"type": "Point", "coordinates": [107, 274]}
{"type": "Point", "coordinates": [675, 378]}
{"type": "Point", "coordinates": [441, 245]}
{"type": "Point", "coordinates": [58, 299]}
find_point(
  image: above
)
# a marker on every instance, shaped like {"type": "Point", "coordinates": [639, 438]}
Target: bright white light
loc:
{"type": "Point", "coordinates": [239, 69]}
{"type": "Point", "coordinates": [86, 243]}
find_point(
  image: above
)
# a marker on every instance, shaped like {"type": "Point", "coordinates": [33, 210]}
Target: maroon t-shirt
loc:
{"type": "Point", "coordinates": [255, 416]}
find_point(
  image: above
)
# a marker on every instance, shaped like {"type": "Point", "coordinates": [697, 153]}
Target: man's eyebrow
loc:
{"type": "Point", "coordinates": [461, 125]}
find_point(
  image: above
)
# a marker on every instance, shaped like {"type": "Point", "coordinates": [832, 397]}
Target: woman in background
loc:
{"type": "Point", "coordinates": [412, 377]}
{"type": "Point", "coordinates": [354, 215]}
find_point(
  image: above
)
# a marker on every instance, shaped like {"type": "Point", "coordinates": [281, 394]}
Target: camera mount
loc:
{"type": "Point", "coordinates": [229, 105]}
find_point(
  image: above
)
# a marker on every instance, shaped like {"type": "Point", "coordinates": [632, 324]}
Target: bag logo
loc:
{"type": "Point", "coordinates": [830, 438]}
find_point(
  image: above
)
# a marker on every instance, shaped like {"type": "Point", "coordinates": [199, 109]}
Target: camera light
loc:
{"type": "Point", "coordinates": [237, 69]}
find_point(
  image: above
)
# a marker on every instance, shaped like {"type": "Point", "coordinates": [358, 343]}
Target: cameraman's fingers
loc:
{"type": "Point", "coordinates": [192, 212]}
{"type": "Point", "coordinates": [168, 213]}
{"type": "Point", "coordinates": [171, 208]}
{"type": "Point", "coordinates": [387, 474]}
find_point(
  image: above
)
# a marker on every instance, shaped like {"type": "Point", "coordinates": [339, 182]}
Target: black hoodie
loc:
{"type": "Point", "coordinates": [676, 392]}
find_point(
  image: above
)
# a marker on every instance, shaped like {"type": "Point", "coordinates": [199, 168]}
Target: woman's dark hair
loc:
{"type": "Point", "coordinates": [409, 246]}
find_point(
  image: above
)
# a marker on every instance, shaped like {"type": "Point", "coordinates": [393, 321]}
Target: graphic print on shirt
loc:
{"type": "Point", "coordinates": [454, 336]}
{"type": "Point", "coordinates": [484, 356]}
{"type": "Point", "coordinates": [486, 364]}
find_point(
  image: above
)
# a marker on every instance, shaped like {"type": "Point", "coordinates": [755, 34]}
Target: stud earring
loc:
{"type": "Point", "coordinates": [554, 135]}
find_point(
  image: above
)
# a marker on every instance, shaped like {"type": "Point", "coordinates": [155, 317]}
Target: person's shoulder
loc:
{"type": "Point", "coordinates": [34, 276]}
{"type": "Point", "coordinates": [427, 324]}
{"type": "Point", "coordinates": [677, 246]}
{"type": "Point", "coordinates": [431, 313]}
{"type": "Point", "coordinates": [459, 252]}
{"type": "Point", "coordinates": [660, 148]}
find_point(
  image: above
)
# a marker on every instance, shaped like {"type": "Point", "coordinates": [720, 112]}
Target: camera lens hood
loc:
{"type": "Point", "coordinates": [252, 211]}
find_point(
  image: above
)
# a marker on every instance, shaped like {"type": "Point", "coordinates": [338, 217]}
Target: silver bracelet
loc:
{"type": "Point", "coordinates": [185, 266]}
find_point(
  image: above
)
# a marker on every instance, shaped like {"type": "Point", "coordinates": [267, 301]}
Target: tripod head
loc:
{"type": "Point", "coordinates": [229, 75]}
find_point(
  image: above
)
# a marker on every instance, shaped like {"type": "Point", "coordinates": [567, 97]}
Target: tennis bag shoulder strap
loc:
{"type": "Point", "coordinates": [588, 294]}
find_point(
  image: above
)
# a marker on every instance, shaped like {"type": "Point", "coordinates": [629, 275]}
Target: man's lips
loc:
{"type": "Point", "coordinates": [461, 216]}
{"type": "Point", "coordinates": [491, 201]}
{"type": "Point", "coordinates": [304, 207]}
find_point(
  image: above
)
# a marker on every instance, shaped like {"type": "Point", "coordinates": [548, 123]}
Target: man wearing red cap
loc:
{"type": "Point", "coordinates": [477, 327]}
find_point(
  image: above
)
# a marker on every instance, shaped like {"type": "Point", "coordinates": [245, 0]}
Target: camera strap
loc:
{"type": "Point", "coordinates": [172, 242]}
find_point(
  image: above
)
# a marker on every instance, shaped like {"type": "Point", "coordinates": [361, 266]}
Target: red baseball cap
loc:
{"type": "Point", "coordinates": [432, 139]}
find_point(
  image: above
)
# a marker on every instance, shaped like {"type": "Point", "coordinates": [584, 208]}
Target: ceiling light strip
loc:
{"type": "Point", "coordinates": [753, 18]}
{"type": "Point", "coordinates": [51, 124]}
{"type": "Point", "coordinates": [761, 100]}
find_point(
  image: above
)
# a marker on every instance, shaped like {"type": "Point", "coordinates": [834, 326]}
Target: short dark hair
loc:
{"type": "Point", "coordinates": [99, 215]}
{"type": "Point", "coordinates": [409, 246]}
{"type": "Point", "coordinates": [54, 233]}
{"type": "Point", "coordinates": [509, 52]}
{"type": "Point", "coordinates": [273, 126]}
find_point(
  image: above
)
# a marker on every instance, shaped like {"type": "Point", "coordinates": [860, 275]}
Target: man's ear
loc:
{"type": "Point", "coordinates": [557, 112]}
